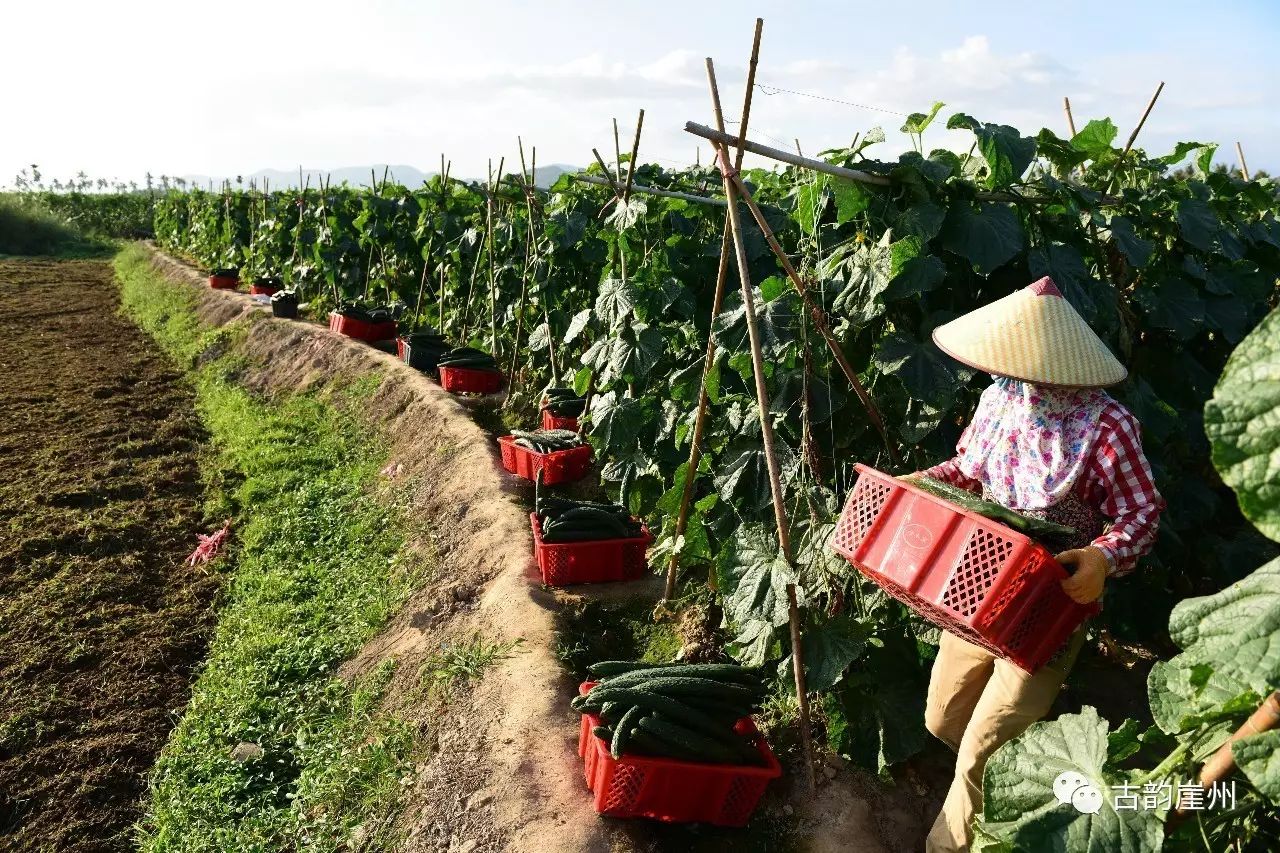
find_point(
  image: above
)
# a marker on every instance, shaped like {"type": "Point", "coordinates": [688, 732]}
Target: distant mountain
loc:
{"type": "Point", "coordinates": [357, 176]}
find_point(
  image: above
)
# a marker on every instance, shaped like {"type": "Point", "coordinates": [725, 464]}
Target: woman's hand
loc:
{"type": "Point", "coordinates": [1086, 582]}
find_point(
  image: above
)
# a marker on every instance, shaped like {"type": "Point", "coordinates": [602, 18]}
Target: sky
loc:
{"type": "Point", "coordinates": [231, 87]}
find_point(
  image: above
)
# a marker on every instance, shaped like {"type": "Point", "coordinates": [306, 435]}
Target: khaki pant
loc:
{"type": "Point", "coordinates": [977, 702]}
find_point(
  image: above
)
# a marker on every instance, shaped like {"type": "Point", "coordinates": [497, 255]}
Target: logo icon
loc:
{"type": "Point", "coordinates": [917, 536]}
{"type": "Point", "coordinates": [1073, 788]}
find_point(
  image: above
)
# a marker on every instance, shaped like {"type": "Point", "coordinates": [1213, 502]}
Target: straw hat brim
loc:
{"type": "Point", "coordinates": [1040, 339]}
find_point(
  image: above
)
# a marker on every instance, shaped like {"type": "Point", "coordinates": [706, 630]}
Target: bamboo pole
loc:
{"type": "Point", "coordinates": [644, 190]}
{"type": "Point", "coordinates": [524, 277]}
{"type": "Point", "coordinates": [1071, 120]}
{"type": "Point", "coordinates": [493, 269]}
{"type": "Point", "coordinates": [1244, 167]}
{"type": "Point", "coordinates": [443, 269]}
{"type": "Point", "coordinates": [617, 151]}
{"type": "Point", "coordinates": [631, 164]}
{"type": "Point", "coordinates": [708, 363]}
{"type": "Point", "coordinates": [719, 137]}
{"type": "Point", "coordinates": [617, 190]}
{"type": "Point", "coordinates": [422, 285]}
{"type": "Point", "coordinates": [1150, 105]}
{"type": "Point", "coordinates": [766, 429]}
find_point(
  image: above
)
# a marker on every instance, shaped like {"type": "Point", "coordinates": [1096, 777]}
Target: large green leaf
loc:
{"type": "Point", "coordinates": [917, 122]}
{"type": "Point", "coordinates": [618, 422]}
{"type": "Point", "coordinates": [1007, 152]}
{"type": "Point", "coordinates": [1095, 138]}
{"type": "Point", "coordinates": [1021, 810]}
{"type": "Point", "coordinates": [1230, 653]}
{"type": "Point", "coordinates": [753, 577]}
{"type": "Point", "coordinates": [876, 714]}
{"type": "Point", "coordinates": [1172, 304]}
{"type": "Point", "coordinates": [922, 219]}
{"type": "Point", "coordinates": [851, 199]}
{"type": "Point", "coordinates": [869, 268]}
{"type": "Point", "coordinates": [1259, 757]}
{"type": "Point", "coordinates": [1198, 223]}
{"type": "Point", "coordinates": [829, 647]}
{"type": "Point", "coordinates": [615, 301]}
{"type": "Point", "coordinates": [1243, 423]}
{"type": "Point", "coordinates": [987, 236]}
{"type": "Point", "coordinates": [924, 371]}
{"type": "Point", "coordinates": [1136, 250]}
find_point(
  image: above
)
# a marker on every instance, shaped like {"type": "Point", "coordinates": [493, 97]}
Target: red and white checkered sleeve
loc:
{"type": "Point", "coordinates": [949, 471]}
{"type": "Point", "coordinates": [1121, 477]}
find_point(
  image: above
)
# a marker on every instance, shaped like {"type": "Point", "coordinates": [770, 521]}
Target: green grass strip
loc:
{"type": "Point", "coordinates": [315, 572]}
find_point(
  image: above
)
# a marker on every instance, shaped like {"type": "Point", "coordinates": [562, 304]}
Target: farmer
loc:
{"type": "Point", "coordinates": [1048, 442]}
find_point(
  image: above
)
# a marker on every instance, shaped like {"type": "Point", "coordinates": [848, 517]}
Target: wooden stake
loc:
{"type": "Point", "coordinates": [631, 164]}
{"type": "Point", "coordinates": [608, 176]}
{"type": "Point", "coordinates": [493, 270]}
{"type": "Point", "coordinates": [617, 150]}
{"type": "Point", "coordinates": [708, 363]}
{"type": "Point", "coordinates": [1244, 167]}
{"type": "Point", "coordinates": [766, 430]}
{"type": "Point", "coordinates": [1071, 120]}
{"type": "Point", "coordinates": [426, 265]}
{"type": "Point", "coordinates": [1150, 105]}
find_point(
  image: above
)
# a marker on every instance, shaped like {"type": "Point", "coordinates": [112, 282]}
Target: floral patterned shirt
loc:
{"type": "Point", "coordinates": [1029, 447]}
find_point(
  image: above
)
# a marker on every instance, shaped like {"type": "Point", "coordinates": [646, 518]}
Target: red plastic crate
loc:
{"type": "Point", "coordinates": [222, 282]}
{"type": "Point", "coordinates": [263, 289]}
{"type": "Point", "coordinates": [360, 330]}
{"type": "Point", "coordinates": [550, 421]}
{"type": "Point", "coordinates": [600, 561]}
{"type": "Point", "coordinates": [972, 576]}
{"type": "Point", "coordinates": [559, 466]}
{"type": "Point", "coordinates": [471, 380]}
{"type": "Point", "coordinates": [670, 790]}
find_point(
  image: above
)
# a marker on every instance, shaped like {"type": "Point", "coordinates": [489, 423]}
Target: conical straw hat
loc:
{"type": "Point", "coordinates": [1033, 335]}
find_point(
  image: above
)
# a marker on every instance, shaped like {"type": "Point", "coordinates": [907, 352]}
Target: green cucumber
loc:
{"type": "Point", "coordinates": [724, 673]}
{"type": "Point", "coordinates": [670, 709]}
{"type": "Point", "coordinates": [606, 668]}
{"type": "Point", "coordinates": [623, 730]}
{"type": "Point", "coordinates": [709, 749]}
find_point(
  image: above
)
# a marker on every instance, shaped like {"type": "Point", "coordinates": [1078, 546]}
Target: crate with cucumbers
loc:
{"type": "Point", "coordinates": [561, 409]}
{"type": "Point", "coordinates": [559, 455]}
{"type": "Point", "coordinates": [587, 542]}
{"type": "Point", "coordinates": [467, 370]}
{"type": "Point", "coordinates": [423, 349]}
{"type": "Point", "coordinates": [674, 742]}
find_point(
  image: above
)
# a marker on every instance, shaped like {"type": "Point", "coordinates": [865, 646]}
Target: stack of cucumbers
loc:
{"type": "Point", "coordinates": [546, 440]}
{"type": "Point", "coordinates": [681, 711]}
{"type": "Point", "coordinates": [1056, 537]}
{"type": "Point", "coordinates": [564, 403]}
{"type": "Point", "coordinates": [468, 357]}
{"type": "Point", "coordinates": [564, 520]}
{"type": "Point", "coordinates": [426, 348]}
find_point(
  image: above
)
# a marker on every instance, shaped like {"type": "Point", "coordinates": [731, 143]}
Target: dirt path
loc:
{"type": "Point", "coordinates": [100, 622]}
